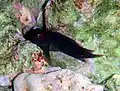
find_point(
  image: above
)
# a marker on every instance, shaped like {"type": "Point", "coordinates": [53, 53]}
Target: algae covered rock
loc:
{"type": "Point", "coordinates": [101, 33]}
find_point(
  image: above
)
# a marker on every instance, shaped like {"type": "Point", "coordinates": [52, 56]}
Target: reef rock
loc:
{"type": "Point", "coordinates": [55, 79]}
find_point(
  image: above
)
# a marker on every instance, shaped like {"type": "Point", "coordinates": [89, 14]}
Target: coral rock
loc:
{"type": "Point", "coordinates": [55, 79]}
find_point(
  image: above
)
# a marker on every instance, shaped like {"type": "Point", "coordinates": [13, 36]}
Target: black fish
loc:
{"type": "Point", "coordinates": [55, 41]}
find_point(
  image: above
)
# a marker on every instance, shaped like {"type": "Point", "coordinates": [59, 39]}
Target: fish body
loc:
{"type": "Point", "coordinates": [55, 41]}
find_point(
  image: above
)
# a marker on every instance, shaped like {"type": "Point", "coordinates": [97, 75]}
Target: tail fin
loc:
{"type": "Point", "coordinates": [90, 55]}
{"type": "Point", "coordinates": [97, 55]}
{"type": "Point", "coordinates": [83, 58]}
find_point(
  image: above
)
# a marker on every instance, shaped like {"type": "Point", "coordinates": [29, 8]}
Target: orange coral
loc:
{"type": "Point", "coordinates": [39, 63]}
{"type": "Point", "coordinates": [78, 3]}
{"type": "Point", "coordinates": [38, 56]}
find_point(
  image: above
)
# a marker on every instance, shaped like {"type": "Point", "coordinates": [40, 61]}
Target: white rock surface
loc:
{"type": "Point", "coordinates": [55, 79]}
{"type": "Point", "coordinates": [4, 80]}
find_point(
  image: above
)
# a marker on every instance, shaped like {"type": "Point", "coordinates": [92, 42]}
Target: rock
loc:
{"type": "Point", "coordinates": [55, 79]}
{"type": "Point", "coordinates": [4, 83]}
{"type": "Point", "coordinates": [4, 80]}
